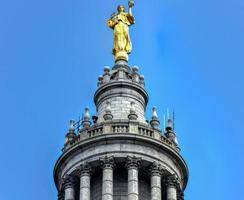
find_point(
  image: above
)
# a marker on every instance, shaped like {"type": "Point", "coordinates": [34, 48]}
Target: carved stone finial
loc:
{"type": "Point", "coordinates": [70, 137]}
{"type": "Point", "coordinates": [107, 162]}
{"type": "Point", "coordinates": [86, 121]}
{"type": "Point", "coordinates": [133, 162]}
{"type": "Point", "coordinates": [170, 126]}
{"type": "Point", "coordinates": [72, 126]}
{"type": "Point", "coordinates": [106, 70]}
{"type": "Point", "coordinates": [108, 115]}
{"type": "Point", "coordinates": [106, 75]}
{"type": "Point", "coordinates": [155, 122]}
{"type": "Point", "coordinates": [142, 80]}
{"type": "Point", "coordinates": [100, 80]}
{"type": "Point", "coordinates": [132, 115]}
{"type": "Point", "coordinates": [170, 133]}
{"type": "Point", "coordinates": [135, 69]}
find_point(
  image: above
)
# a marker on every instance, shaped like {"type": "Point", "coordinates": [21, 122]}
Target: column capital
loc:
{"type": "Point", "coordinates": [156, 169]}
{"type": "Point", "coordinates": [68, 181]}
{"type": "Point", "coordinates": [84, 169]}
{"type": "Point", "coordinates": [172, 181]}
{"type": "Point", "coordinates": [107, 162]}
{"type": "Point", "coordinates": [133, 162]}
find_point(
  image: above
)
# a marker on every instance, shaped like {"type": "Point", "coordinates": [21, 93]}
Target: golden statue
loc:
{"type": "Point", "coordinates": [120, 23]}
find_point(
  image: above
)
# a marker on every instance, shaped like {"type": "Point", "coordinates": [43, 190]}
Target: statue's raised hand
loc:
{"type": "Point", "coordinates": [131, 3]}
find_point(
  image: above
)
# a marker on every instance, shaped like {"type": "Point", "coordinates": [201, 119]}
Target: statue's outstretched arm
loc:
{"type": "Point", "coordinates": [130, 14]}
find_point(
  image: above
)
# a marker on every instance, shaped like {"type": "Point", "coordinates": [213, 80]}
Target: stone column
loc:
{"type": "Point", "coordinates": [85, 179]}
{"type": "Point", "coordinates": [69, 188]}
{"type": "Point", "coordinates": [172, 188]}
{"type": "Point", "coordinates": [132, 165]}
{"type": "Point", "coordinates": [107, 164]}
{"type": "Point", "coordinates": [156, 173]}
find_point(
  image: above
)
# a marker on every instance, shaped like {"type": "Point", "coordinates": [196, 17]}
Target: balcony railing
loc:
{"type": "Point", "coordinates": [118, 128]}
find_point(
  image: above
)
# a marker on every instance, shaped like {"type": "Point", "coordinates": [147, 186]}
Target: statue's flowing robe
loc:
{"type": "Point", "coordinates": [120, 23]}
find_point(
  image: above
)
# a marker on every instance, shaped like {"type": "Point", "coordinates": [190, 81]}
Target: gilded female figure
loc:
{"type": "Point", "coordinates": [120, 23]}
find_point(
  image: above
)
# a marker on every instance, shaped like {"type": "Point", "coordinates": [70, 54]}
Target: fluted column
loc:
{"type": "Point", "coordinates": [172, 188]}
{"type": "Point", "coordinates": [156, 173]}
{"type": "Point", "coordinates": [132, 165]}
{"type": "Point", "coordinates": [85, 179]}
{"type": "Point", "coordinates": [69, 188]}
{"type": "Point", "coordinates": [107, 164]}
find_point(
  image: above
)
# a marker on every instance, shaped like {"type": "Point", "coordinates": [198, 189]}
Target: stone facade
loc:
{"type": "Point", "coordinates": [120, 156]}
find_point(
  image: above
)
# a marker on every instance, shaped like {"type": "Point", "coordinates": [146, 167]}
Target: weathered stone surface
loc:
{"type": "Point", "coordinates": [120, 137]}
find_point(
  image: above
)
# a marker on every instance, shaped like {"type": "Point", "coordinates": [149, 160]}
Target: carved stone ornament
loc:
{"type": "Point", "coordinates": [68, 181]}
{"type": "Point", "coordinates": [156, 169]}
{"type": "Point", "coordinates": [133, 162]}
{"type": "Point", "coordinates": [172, 181]}
{"type": "Point", "coordinates": [84, 169]}
{"type": "Point", "coordinates": [107, 162]}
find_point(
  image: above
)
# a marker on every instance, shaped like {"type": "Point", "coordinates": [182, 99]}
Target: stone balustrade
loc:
{"type": "Point", "coordinates": [120, 128]}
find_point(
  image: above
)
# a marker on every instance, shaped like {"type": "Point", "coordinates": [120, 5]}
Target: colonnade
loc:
{"type": "Point", "coordinates": [132, 164]}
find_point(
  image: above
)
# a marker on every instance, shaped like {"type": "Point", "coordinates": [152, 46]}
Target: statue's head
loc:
{"type": "Point", "coordinates": [121, 8]}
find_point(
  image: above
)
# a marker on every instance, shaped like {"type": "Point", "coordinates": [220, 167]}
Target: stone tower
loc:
{"type": "Point", "coordinates": [117, 154]}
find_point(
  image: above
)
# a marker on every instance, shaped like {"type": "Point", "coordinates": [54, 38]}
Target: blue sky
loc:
{"type": "Point", "coordinates": [191, 53]}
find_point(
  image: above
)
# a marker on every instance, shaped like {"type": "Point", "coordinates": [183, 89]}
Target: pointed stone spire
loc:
{"type": "Point", "coordinates": [108, 115]}
{"type": "Point", "coordinates": [86, 121]}
{"type": "Point", "coordinates": [154, 122]}
{"type": "Point", "coordinates": [132, 115]}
